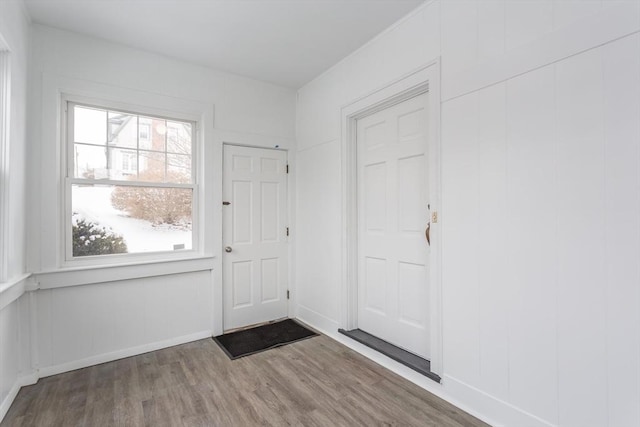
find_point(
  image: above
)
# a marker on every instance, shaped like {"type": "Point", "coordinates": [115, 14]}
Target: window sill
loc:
{"type": "Point", "coordinates": [87, 275]}
{"type": "Point", "coordinates": [13, 289]}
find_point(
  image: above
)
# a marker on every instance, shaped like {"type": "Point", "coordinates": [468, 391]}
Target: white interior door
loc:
{"type": "Point", "coordinates": [254, 236]}
{"type": "Point", "coordinates": [393, 213]}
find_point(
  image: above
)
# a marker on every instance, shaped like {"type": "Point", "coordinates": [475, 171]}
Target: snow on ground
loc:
{"type": "Point", "coordinates": [94, 204]}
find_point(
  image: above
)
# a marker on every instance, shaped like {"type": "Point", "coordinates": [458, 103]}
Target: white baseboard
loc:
{"type": "Point", "coordinates": [20, 382]}
{"type": "Point", "coordinates": [120, 354]}
{"type": "Point", "coordinates": [8, 400]}
{"type": "Point", "coordinates": [497, 409]}
{"type": "Point", "coordinates": [317, 320]}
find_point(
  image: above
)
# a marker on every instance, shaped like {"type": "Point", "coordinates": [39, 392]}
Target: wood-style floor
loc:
{"type": "Point", "coordinates": [315, 382]}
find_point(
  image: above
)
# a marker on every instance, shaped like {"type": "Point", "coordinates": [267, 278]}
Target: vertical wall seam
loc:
{"type": "Point", "coordinates": [504, 26]}
{"type": "Point", "coordinates": [478, 144]}
{"type": "Point", "coordinates": [478, 203]}
{"type": "Point", "coordinates": [638, 228]}
{"type": "Point", "coordinates": [607, 293]}
{"type": "Point", "coordinates": [555, 234]}
{"type": "Point", "coordinates": [477, 59]}
{"type": "Point", "coordinates": [440, 41]}
{"type": "Point", "coordinates": [507, 221]}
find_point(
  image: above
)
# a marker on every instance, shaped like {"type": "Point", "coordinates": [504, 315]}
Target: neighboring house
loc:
{"type": "Point", "coordinates": [137, 146]}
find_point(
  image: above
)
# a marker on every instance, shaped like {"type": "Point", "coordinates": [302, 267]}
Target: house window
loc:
{"type": "Point", "coordinates": [129, 163]}
{"type": "Point", "coordinates": [130, 190]}
{"type": "Point", "coordinates": [144, 131]}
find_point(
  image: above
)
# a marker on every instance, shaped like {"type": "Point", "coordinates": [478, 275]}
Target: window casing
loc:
{"type": "Point", "coordinates": [5, 108]}
{"type": "Point", "coordinates": [130, 192]}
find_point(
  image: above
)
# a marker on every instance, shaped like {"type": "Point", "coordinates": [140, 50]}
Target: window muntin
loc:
{"type": "Point", "coordinates": [131, 183]}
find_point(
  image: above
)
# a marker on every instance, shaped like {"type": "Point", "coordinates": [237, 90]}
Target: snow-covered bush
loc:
{"type": "Point", "coordinates": [92, 239]}
{"type": "Point", "coordinates": [155, 204]}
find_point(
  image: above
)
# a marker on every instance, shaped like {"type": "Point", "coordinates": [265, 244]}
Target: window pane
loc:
{"type": "Point", "coordinates": [179, 137]}
{"type": "Point", "coordinates": [120, 219]}
{"type": "Point", "coordinates": [89, 125]}
{"type": "Point", "coordinates": [123, 130]}
{"type": "Point", "coordinates": [178, 168]}
{"type": "Point", "coordinates": [90, 161]}
{"type": "Point", "coordinates": [151, 166]}
{"type": "Point", "coordinates": [124, 164]}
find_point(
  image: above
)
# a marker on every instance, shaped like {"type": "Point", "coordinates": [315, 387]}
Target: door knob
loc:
{"type": "Point", "coordinates": [228, 249]}
{"type": "Point", "coordinates": [427, 233]}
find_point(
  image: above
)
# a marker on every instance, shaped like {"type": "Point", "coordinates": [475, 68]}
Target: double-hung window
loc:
{"type": "Point", "coordinates": [130, 183]}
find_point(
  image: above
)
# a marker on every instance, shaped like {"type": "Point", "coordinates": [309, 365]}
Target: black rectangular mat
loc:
{"type": "Point", "coordinates": [254, 340]}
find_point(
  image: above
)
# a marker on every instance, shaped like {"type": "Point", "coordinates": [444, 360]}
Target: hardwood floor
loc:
{"type": "Point", "coordinates": [315, 382]}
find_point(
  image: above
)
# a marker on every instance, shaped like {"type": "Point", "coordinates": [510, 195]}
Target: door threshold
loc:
{"type": "Point", "coordinates": [410, 360]}
{"type": "Point", "coordinates": [253, 325]}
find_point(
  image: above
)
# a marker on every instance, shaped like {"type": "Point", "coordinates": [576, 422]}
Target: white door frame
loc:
{"type": "Point", "coordinates": [218, 323]}
{"type": "Point", "coordinates": [424, 79]}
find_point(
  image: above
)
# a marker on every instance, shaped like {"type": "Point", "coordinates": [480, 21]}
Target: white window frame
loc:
{"type": "Point", "coordinates": [68, 178]}
{"type": "Point", "coordinates": [5, 120]}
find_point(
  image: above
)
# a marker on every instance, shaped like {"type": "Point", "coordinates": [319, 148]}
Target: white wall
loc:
{"type": "Point", "coordinates": [541, 200]}
{"type": "Point", "coordinates": [84, 325]}
{"type": "Point", "coordinates": [14, 320]}
{"type": "Point", "coordinates": [244, 110]}
{"type": "Point", "coordinates": [85, 317]}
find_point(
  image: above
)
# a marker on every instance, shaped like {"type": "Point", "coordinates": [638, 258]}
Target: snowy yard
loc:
{"type": "Point", "coordinates": [94, 204]}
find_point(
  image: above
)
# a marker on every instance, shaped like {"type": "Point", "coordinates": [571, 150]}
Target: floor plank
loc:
{"type": "Point", "coordinates": [315, 382]}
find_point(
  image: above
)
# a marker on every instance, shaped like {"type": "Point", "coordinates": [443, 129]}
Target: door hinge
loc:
{"type": "Point", "coordinates": [287, 167]}
{"type": "Point", "coordinates": [287, 293]}
{"type": "Point", "coordinates": [287, 231]}
{"type": "Point", "coordinates": [226, 203]}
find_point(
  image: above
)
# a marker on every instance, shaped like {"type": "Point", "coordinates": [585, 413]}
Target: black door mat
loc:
{"type": "Point", "coordinates": [410, 360]}
{"type": "Point", "coordinates": [254, 340]}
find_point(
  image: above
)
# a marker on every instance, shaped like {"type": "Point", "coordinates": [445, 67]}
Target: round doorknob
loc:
{"type": "Point", "coordinates": [228, 249]}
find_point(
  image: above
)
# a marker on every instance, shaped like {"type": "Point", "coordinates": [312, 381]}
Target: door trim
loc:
{"type": "Point", "coordinates": [421, 80]}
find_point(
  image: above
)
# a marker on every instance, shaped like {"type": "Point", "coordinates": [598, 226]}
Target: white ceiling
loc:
{"type": "Point", "coordinates": [287, 42]}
